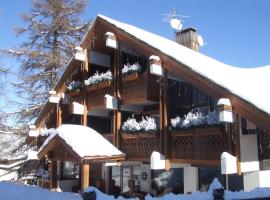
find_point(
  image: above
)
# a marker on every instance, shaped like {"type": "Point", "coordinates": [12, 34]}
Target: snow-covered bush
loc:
{"type": "Point", "coordinates": [98, 78]}
{"type": "Point", "coordinates": [147, 124]}
{"type": "Point", "coordinates": [136, 67]}
{"type": "Point", "coordinates": [47, 132]}
{"type": "Point", "coordinates": [195, 118]}
{"type": "Point", "coordinates": [74, 85]}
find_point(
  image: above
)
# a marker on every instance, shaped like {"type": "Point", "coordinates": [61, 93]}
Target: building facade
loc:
{"type": "Point", "coordinates": [169, 110]}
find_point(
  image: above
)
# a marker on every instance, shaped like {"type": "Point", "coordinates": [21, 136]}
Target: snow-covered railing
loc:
{"type": "Point", "coordinates": [147, 124]}
{"type": "Point", "coordinates": [128, 68]}
{"type": "Point", "coordinates": [98, 78]}
{"type": "Point", "coordinates": [195, 118]}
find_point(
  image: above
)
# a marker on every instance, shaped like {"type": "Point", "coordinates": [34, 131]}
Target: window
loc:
{"type": "Point", "coordinates": [70, 170]}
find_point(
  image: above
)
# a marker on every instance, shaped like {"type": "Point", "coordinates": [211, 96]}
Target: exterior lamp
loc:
{"type": "Point", "coordinates": [111, 40]}
{"type": "Point", "coordinates": [79, 54]}
{"type": "Point", "coordinates": [225, 110]}
{"type": "Point", "coordinates": [33, 131]}
{"type": "Point", "coordinates": [111, 102]}
{"type": "Point", "coordinates": [155, 65]}
{"type": "Point", "coordinates": [53, 97]}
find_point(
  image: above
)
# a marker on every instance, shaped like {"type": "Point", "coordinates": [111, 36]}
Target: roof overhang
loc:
{"type": "Point", "coordinates": [60, 147]}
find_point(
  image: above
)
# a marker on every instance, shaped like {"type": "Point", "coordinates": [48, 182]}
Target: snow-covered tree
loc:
{"type": "Point", "coordinates": [53, 29]}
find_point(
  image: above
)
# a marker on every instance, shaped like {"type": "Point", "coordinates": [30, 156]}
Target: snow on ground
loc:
{"type": "Point", "coordinates": [11, 191]}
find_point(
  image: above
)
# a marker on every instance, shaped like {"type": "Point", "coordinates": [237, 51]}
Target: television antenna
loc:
{"type": "Point", "coordinates": [172, 17]}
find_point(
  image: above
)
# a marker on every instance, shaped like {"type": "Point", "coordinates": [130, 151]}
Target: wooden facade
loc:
{"type": "Point", "coordinates": [146, 94]}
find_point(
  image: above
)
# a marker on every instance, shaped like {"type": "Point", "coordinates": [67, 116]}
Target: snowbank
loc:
{"type": "Point", "coordinates": [11, 191]}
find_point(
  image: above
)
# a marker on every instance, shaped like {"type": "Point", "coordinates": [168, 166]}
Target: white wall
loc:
{"type": "Point", "coordinates": [249, 153]}
{"type": "Point", "coordinates": [256, 179]}
{"type": "Point", "coordinates": [191, 179]}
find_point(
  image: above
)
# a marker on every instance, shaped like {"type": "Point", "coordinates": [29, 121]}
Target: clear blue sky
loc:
{"type": "Point", "coordinates": [237, 32]}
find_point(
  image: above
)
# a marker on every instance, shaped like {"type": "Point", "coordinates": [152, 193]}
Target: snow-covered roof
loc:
{"type": "Point", "coordinates": [250, 84]}
{"type": "Point", "coordinates": [84, 141]}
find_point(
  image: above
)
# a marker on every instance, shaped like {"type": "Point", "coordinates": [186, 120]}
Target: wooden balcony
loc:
{"type": "Point", "coordinates": [198, 145]}
{"type": "Point", "coordinates": [139, 146]}
{"type": "Point", "coordinates": [139, 88]}
{"type": "Point", "coordinates": [96, 94]}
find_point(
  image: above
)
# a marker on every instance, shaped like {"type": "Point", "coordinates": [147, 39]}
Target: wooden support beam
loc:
{"type": "Point", "coordinates": [85, 76]}
{"type": "Point", "coordinates": [117, 115]}
{"type": "Point", "coordinates": [53, 173]}
{"type": "Point", "coordinates": [161, 115]}
{"type": "Point", "coordinates": [237, 143]}
{"type": "Point", "coordinates": [58, 115]}
{"type": "Point", "coordinates": [165, 114]}
{"type": "Point", "coordinates": [85, 178]}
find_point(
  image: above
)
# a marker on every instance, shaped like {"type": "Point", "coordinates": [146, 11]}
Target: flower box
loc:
{"type": "Point", "coordinates": [103, 84]}
{"type": "Point", "coordinates": [74, 93]}
{"type": "Point", "coordinates": [140, 134]}
{"type": "Point", "coordinates": [130, 77]}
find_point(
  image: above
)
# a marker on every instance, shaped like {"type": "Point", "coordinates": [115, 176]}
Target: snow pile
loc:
{"type": "Point", "coordinates": [74, 85]}
{"type": "Point", "coordinates": [98, 78]}
{"type": "Point", "coordinates": [256, 193]}
{"type": "Point", "coordinates": [131, 68]}
{"type": "Point", "coordinates": [195, 118]}
{"type": "Point", "coordinates": [147, 124]}
{"type": "Point", "coordinates": [101, 196]}
{"type": "Point", "coordinates": [11, 191]}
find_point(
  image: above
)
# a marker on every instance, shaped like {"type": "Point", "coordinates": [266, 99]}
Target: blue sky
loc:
{"type": "Point", "coordinates": [237, 32]}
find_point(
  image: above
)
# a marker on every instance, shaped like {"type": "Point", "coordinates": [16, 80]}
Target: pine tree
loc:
{"type": "Point", "coordinates": [53, 29]}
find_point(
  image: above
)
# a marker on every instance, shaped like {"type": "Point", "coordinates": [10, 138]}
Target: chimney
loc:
{"type": "Point", "coordinates": [188, 38]}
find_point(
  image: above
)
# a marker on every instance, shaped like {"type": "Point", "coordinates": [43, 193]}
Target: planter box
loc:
{"type": "Point", "coordinates": [104, 84]}
{"type": "Point", "coordinates": [74, 93]}
{"type": "Point", "coordinates": [130, 77]}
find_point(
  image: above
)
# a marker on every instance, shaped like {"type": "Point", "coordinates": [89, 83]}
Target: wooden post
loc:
{"type": "Point", "coordinates": [161, 114]}
{"type": "Point", "coordinates": [85, 76]}
{"type": "Point", "coordinates": [53, 173]}
{"type": "Point", "coordinates": [85, 179]}
{"type": "Point", "coordinates": [237, 143]}
{"type": "Point", "coordinates": [117, 115]}
{"type": "Point", "coordinates": [165, 115]}
{"type": "Point", "coordinates": [58, 115]}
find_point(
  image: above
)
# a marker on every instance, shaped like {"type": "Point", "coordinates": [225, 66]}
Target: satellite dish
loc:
{"type": "Point", "coordinates": [176, 24]}
{"type": "Point", "coordinates": [200, 40]}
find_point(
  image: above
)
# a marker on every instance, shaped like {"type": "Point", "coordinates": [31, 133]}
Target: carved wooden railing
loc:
{"type": "Point", "coordinates": [139, 87]}
{"type": "Point", "coordinates": [198, 144]}
{"type": "Point", "coordinates": [140, 145]}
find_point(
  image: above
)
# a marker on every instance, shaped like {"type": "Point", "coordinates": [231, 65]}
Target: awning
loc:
{"type": "Point", "coordinates": [79, 143]}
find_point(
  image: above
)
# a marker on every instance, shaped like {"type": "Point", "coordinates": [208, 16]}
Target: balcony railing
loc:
{"type": "Point", "coordinates": [139, 146]}
{"type": "Point", "coordinates": [198, 144]}
{"type": "Point", "coordinates": [139, 88]}
{"type": "Point", "coordinates": [96, 94]}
